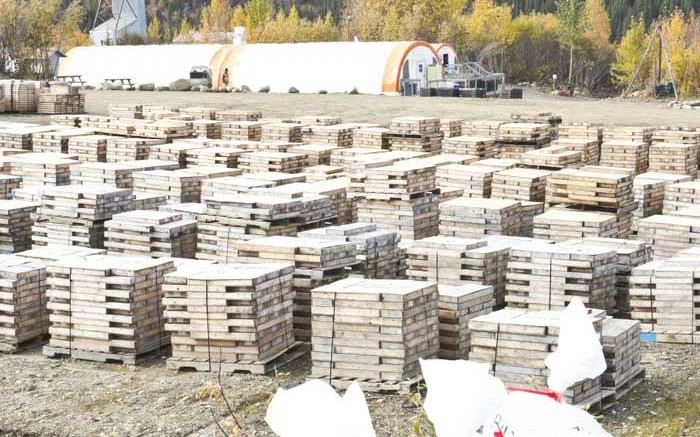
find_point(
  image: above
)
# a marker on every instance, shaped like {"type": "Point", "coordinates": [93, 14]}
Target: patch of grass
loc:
{"type": "Point", "coordinates": [679, 417]}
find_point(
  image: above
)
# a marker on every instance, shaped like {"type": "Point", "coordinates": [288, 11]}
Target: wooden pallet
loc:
{"type": "Point", "coordinates": [264, 367]}
{"type": "Point", "coordinates": [372, 385]}
{"type": "Point", "coordinates": [100, 357]}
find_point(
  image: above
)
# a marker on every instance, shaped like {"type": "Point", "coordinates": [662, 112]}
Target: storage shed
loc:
{"type": "Point", "coordinates": [446, 53]}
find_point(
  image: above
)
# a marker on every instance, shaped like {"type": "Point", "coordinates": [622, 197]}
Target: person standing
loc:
{"type": "Point", "coordinates": [225, 80]}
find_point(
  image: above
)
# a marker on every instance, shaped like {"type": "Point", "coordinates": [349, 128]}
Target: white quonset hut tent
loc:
{"type": "Point", "coordinates": [158, 64]}
{"type": "Point", "coordinates": [446, 53]}
{"type": "Point", "coordinates": [336, 67]}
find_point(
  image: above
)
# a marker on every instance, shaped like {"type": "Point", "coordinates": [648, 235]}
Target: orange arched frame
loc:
{"type": "Point", "coordinates": [394, 64]}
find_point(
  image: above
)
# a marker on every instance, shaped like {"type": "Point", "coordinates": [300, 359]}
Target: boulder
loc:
{"type": "Point", "coordinates": [245, 89]}
{"type": "Point", "coordinates": [265, 89]}
{"type": "Point", "coordinates": [293, 90]}
{"type": "Point", "coordinates": [180, 85]}
{"type": "Point", "coordinates": [163, 88]}
{"type": "Point", "coordinates": [354, 91]}
{"type": "Point", "coordinates": [147, 87]}
{"type": "Point", "coordinates": [323, 92]}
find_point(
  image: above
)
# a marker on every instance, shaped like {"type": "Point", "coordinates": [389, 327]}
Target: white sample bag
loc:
{"type": "Point", "coordinates": [314, 409]}
{"type": "Point", "coordinates": [462, 396]}
{"type": "Point", "coordinates": [579, 354]}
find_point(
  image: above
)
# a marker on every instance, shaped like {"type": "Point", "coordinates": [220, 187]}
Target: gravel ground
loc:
{"type": "Point", "coordinates": [380, 109]}
{"type": "Point", "coordinates": [43, 397]}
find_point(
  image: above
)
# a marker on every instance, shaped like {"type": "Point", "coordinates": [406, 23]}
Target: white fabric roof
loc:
{"type": "Point", "coordinates": [159, 64]}
{"type": "Point", "coordinates": [310, 67]}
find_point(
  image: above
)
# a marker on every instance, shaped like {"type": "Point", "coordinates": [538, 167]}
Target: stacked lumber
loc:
{"type": "Point", "coordinates": [318, 173]}
{"type": "Point", "coordinates": [517, 138]}
{"type": "Point", "coordinates": [40, 169]}
{"type": "Point", "coordinates": [549, 277]}
{"type": "Point", "coordinates": [199, 112]}
{"type": "Point", "coordinates": [528, 212]}
{"type": "Point", "coordinates": [287, 132]}
{"type": "Point", "coordinates": [537, 117]}
{"type": "Point", "coordinates": [108, 125]}
{"type": "Point", "coordinates": [178, 187]}
{"type": "Point", "coordinates": [371, 138]}
{"type": "Point", "coordinates": [23, 302]}
{"type": "Point", "coordinates": [589, 148]}
{"type": "Point", "coordinates": [339, 135]}
{"type": "Point", "coordinates": [476, 180]}
{"type": "Point", "coordinates": [8, 184]}
{"type": "Point", "coordinates": [129, 149]}
{"type": "Point", "coordinates": [515, 344]}
{"type": "Point", "coordinates": [208, 129]}
{"type": "Point", "coordinates": [127, 110]}
{"type": "Point", "coordinates": [21, 137]}
{"type": "Point", "coordinates": [401, 197]}
{"type": "Point", "coordinates": [317, 262]}
{"type": "Point", "coordinates": [167, 130]}
{"type": "Point", "coordinates": [562, 224]}
{"type": "Point", "coordinates": [474, 218]}
{"type": "Point", "coordinates": [681, 195]}
{"type": "Point", "coordinates": [235, 217]}
{"type": "Point", "coordinates": [152, 164]}
{"type": "Point", "coordinates": [255, 162]}
{"type": "Point", "coordinates": [376, 251]}
{"type": "Point", "coordinates": [51, 103]}
{"type": "Point", "coordinates": [602, 189]}
{"type": "Point", "coordinates": [238, 115]}
{"type": "Point", "coordinates": [74, 215]}
{"type": "Point", "coordinates": [500, 163]}
{"type": "Point", "coordinates": [450, 193]}
{"type": "Point", "coordinates": [211, 332]}
{"type": "Point", "coordinates": [174, 152]}
{"type": "Point", "coordinates": [154, 112]}
{"type": "Point", "coordinates": [444, 159]}
{"type": "Point", "coordinates": [66, 120]}
{"type": "Point", "coordinates": [482, 128]}
{"type": "Point", "coordinates": [106, 308]}
{"type": "Point", "coordinates": [632, 155]}
{"type": "Point", "coordinates": [649, 191]}
{"type": "Point", "coordinates": [552, 157]}
{"type": "Point", "coordinates": [676, 135]}
{"type": "Point", "coordinates": [214, 156]}
{"type": "Point", "coordinates": [316, 208]}
{"type": "Point", "coordinates": [669, 234]}
{"type": "Point", "coordinates": [151, 233]}
{"type": "Point", "coordinates": [663, 297]}
{"type": "Point", "coordinates": [628, 133]}
{"type": "Point", "coordinates": [24, 97]}
{"type": "Point", "coordinates": [149, 202]}
{"type": "Point", "coordinates": [674, 158]}
{"type": "Point", "coordinates": [242, 130]}
{"type": "Point", "coordinates": [630, 254]}
{"type": "Point", "coordinates": [415, 134]}
{"type": "Point", "coordinates": [520, 184]}
{"type": "Point", "coordinates": [91, 173]}
{"type": "Point", "coordinates": [483, 147]}
{"type": "Point", "coordinates": [622, 348]}
{"type": "Point", "coordinates": [380, 345]}
{"type": "Point", "coordinates": [346, 157]}
{"type": "Point", "coordinates": [456, 261]}
{"type": "Point", "coordinates": [458, 304]}
{"type": "Point", "coordinates": [89, 148]}
{"type": "Point", "coordinates": [16, 225]}
{"type": "Point", "coordinates": [55, 141]}
{"type": "Point", "coordinates": [316, 154]}
{"type": "Point", "coordinates": [587, 131]}
{"type": "Point", "coordinates": [451, 127]}
{"type": "Point", "coordinates": [57, 252]}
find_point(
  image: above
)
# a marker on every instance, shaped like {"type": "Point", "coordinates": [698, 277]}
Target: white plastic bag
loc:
{"type": "Point", "coordinates": [532, 415]}
{"type": "Point", "coordinates": [462, 396]}
{"type": "Point", "coordinates": [579, 354]}
{"type": "Point", "coordinates": [314, 409]}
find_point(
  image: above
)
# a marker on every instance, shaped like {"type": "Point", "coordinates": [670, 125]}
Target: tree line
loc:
{"type": "Point", "coordinates": [529, 40]}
